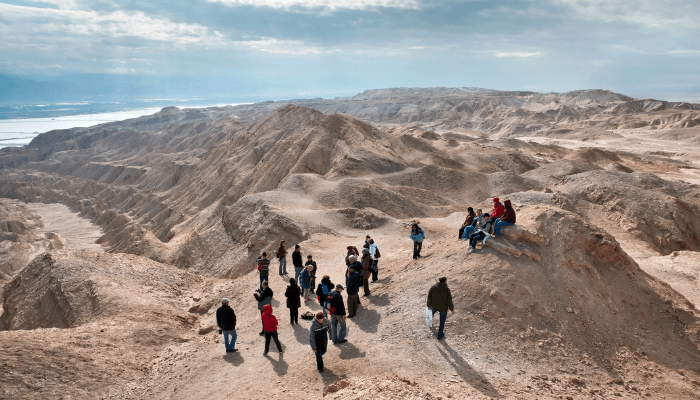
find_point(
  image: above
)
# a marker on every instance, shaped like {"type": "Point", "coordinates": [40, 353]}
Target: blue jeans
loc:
{"type": "Point", "coordinates": [417, 246]}
{"type": "Point", "coordinates": [230, 344]}
{"type": "Point", "coordinates": [283, 265]}
{"type": "Point", "coordinates": [443, 318]}
{"type": "Point", "coordinates": [338, 332]}
{"type": "Point", "coordinates": [263, 277]}
{"type": "Point", "coordinates": [467, 231]}
{"type": "Point", "coordinates": [500, 224]}
{"type": "Point", "coordinates": [297, 275]}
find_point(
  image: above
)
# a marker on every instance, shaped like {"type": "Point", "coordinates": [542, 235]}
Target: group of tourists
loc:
{"type": "Point", "coordinates": [362, 269]}
{"type": "Point", "coordinates": [478, 226]}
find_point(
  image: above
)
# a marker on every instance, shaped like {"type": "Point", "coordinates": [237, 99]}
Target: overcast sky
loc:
{"type": "Point", "coordinates": [643, 48]}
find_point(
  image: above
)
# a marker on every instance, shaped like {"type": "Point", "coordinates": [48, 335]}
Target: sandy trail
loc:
{"type": "Point", "coordinates": [76, 233]}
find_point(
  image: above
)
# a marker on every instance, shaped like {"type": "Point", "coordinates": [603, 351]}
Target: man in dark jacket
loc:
{"type": "Point", "coordinates": [226, 320]}
{"type": "Point", "coordinates": [318, 340]}
{"type": "Point", "coordinates": [298, 263]}
{"type": "Point", "coordinates": [264, 297]}
{"type": "Point", "coordinates": [366, 270]}
{"type": "Point", "coordinates": [337, 311]}
{"type": "Point", "coordinates": [439, 300]}
{"type": "Point", "coordinates": [354, 280]}
{"type": "Point", "coordinates": [322, 291]}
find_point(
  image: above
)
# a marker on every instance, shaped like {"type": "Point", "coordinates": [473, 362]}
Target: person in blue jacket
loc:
{"type": "Point", "coordinates": [417, 235]}
{"type": "Point", "coordinates": [306, 277]}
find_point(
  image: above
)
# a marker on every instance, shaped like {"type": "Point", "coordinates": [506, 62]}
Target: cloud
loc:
{"type": "Point", "coordinates": [516, 54]}
{"type": "Point", "coordinates": [660, 14]}
{"type": "Point", "coordinates": [327, 5]}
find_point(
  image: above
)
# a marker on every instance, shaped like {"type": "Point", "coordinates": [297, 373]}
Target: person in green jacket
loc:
{"type": "Point", "coordinates": [439, 300]}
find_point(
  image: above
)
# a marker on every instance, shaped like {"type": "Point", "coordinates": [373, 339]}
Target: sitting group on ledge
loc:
{"type": "Point", "coordinates": [478, 226]}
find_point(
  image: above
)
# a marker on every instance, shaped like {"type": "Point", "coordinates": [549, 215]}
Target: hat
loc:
{"type": "Point", "coordinates": [339, 287]}
{"type": "Point", "coordinates": [224, 301]}
{"type": "Point", "coordinates": [496, 199]}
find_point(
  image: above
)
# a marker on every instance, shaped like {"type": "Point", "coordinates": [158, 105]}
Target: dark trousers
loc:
{"type": "Point", "coordinates": [475, 237]}
{"type": "Point", "coordinates": [319, 357]}
{"type": "Point", "coordinates": [365, 286]}
{"type": "Point", "coordinates": [294, 315]}
{"type": "Point", "coordinates": [272, 335]}
{"type": "Point", "coordinates": [461, 231]}
{"type": "Point", "coordinates": [443, 318]}
{"type": "Point", "coordinates": [417, 246]}
{"type": "Point", "coordinates": [263, 277]}
{"type": "Point", "coordinates": [375, 270]}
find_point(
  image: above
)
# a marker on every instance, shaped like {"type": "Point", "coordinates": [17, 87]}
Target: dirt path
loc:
{"type": "Point", "coordinates": [75, 232]}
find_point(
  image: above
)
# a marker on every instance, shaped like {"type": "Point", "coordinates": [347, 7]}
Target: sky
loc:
{"type": "Point", "coordinates": [329, 48]}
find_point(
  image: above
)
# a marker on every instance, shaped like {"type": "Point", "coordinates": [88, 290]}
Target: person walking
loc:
{"type": "Point", "coordinates": [263, 265]}
{"type": "Point", "coordinates": [311, 262]}
{"type": "Point", "coordinates": [366, 271]}
{"type": "Point", "coordinates": [353, 285]}
{"type": "Point", "coordinates": [417, 235]}
{"type": "Point", "coordinates": [507, 219]}
{"type": "Point", "coordinates": [264, 297]}
{"type": "Point", "coordinates": [293, 295]}
{"type": "Point", "coordinates": [319, 333]}
{"type": "Point", "coordinates": [282, 255]}
{"type": "Point", "coordinates": [270, 327]}
{"type": "Point", "coordinates": [322, 291]}
{"type": "Point", "coordinates": [467, 221]}
{"type": "Point", "coordinates": [226, 320]}
{"type": "Point", "coordinates": [297, 262]}
{"type": "Point", "coordinates": [440, 300]}
{"type": "Point", "coordinates": [306, 281]}
{"type": "Point", "coordinates": [374, 252]}
{"type": "Point", "coordinates": [337, 311]}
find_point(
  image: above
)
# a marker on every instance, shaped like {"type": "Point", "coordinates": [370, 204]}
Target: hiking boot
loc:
{"type": "Point", "coordinates": [262, 333]}
{"type": "Point", "coordinates": [265, 354]}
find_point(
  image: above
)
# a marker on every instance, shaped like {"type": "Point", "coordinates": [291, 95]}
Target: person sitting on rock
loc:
{"type": "Point", "coordinates": [417, 235]}
{"type": "Point", "coordinates": [497, 211]}
{"type": "Point", "coordinates": [478, 219]}
{"type": "Point", "coordinates": [306, 281]}
{"type": "Point", "coordinates": [270, 329]}
{"type": "Point", "coordinates": [293, 295]}
{"type": "Point", "coordinates": [467, 221]}
{"type": "Point", "coordinates": [481, 233]}
{"type": "Point", "coordinates": [264, 297]}
{"type": "Point", "coordinates": [507, 219]}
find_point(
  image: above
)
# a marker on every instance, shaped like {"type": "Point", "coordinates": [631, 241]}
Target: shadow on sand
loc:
{"type": "Point", "coordinates": [234, 359]}
{"type": "Point", "coordinates": [468, 374]}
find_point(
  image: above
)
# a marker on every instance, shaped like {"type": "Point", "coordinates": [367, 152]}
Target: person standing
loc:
{"type": "Point", "coordinates": [311, 262]}
{"type": "Point", "coordinates": [417, 235]}
{"type": "Point", "coordinates": [226, 320]}
{"type": "Point", "coordinates": [353, 284]}
{"type": "Point", "coordinates": [366, 271]}
{"type": "Point", "coordinates": [319, 333]}
{"type": "Point", "coordinates": [337, 311]}
{"type": "Point", "coordinates": [263, 265]}
{"type": "Point", "coordinates": [282, 255]}
{"type": "Point", "coordinates": [306, 281]}
{"type": "Point", "coordinates": [322, 291]}
{"type": "Point", "coordinates": [297, 262]}
{"type": "Point", "coordinates": [467, 221]}
{"type": "Point", "coordinates": [374, 252]}
{"type": "Point", "coordinates": [293, 295]}
{"type": "Point", "coordinates": [264, 297]}
{"type": "Point", "coordinates": [270, 328]}
{"type": "Point", "coordinates": [440, 300]}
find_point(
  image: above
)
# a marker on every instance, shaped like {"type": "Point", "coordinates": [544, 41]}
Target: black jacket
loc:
{"type": "Point", "coordinates": [263, 298]}
{"type": "Point", "coordinates": [226, 318]}
{"type": "Point", "coordinates": [296, 259]}
{"type": "Point", "coordinates": [337, 305]}
{"type": "Point", "coordinates": [319, 290]}
{"type": "Point", "coordinates": [354, 282]}
{"type": "Point", "coordinates": [293, 295]}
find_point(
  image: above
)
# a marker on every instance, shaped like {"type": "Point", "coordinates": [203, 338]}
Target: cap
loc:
{"type": "Point", "coordinates": [224, 301]}
{"type": "Point", "coordinates": [339, 287]}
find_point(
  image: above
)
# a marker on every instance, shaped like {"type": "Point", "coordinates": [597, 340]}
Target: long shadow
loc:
{"type": "Point", "coordinates": [301, 334]}
{"type": "Point", "coordinates": [279, 366]}
{"type": "Point", "coordinates": [367, 320]}
{"type": "Point", "coordinates": [469, 375]}
{"type": "Point", "coordinates": [329, 377]}
{"type": "Point", "coordinates": [381, 300]}
{"type": "Point", "coordinates": [349, 351]}
{"type": "Point", "coordinates": [234, 359]}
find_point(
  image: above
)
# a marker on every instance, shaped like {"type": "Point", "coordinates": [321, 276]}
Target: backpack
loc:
{"type": "Point", "coordinates": [376, 252]}
{"type": "Point", "coordinates": [325, 289]}
{"type": "Point", "coordinates": [327, 304]}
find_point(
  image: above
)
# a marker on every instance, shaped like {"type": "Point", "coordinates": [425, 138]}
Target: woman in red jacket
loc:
{"type": "Point", "coordinates": [497, 209]}
{"type": "Point", "coordinates": [270, 326]}
{"type": "Point", "coordinates": [507, 219]}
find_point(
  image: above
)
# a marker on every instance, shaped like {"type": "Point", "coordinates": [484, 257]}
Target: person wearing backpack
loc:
{"type": "Point", "coordinates": [417, 235]}
{"type": "Point", "coordinates": [293, 295]}
{"type": "Point", "coordinates": [336, 308]}
{"type": "Point", "coordinates": [312, 263]}
{"type": "Point", "coordinates": [325, 287]}
{"type": "Point", "coordinates": [319, 333]}
{"type": "Point", "coordinates": [366, 271]}
{"type": "Point", "coordinates": [226, 320]}
{"type": "Point", "coordinates": [282, 255]}
{"type": "Point", "coordinates": [263, 297]}
{"type": "Point", "coordinates": [270, 329]}
{"type": "Point", "coordinates": [263, 266]}
{"type": "Point", "coordinates": [374, 252]}
{"type": "Point", "coordinates": [440, 300]}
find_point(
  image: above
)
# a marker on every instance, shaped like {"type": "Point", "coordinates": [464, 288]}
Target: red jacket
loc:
{"type": "Point", "coordinates": [497, 211]}
{"type": "Point", "coordinates": [269, 321]}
